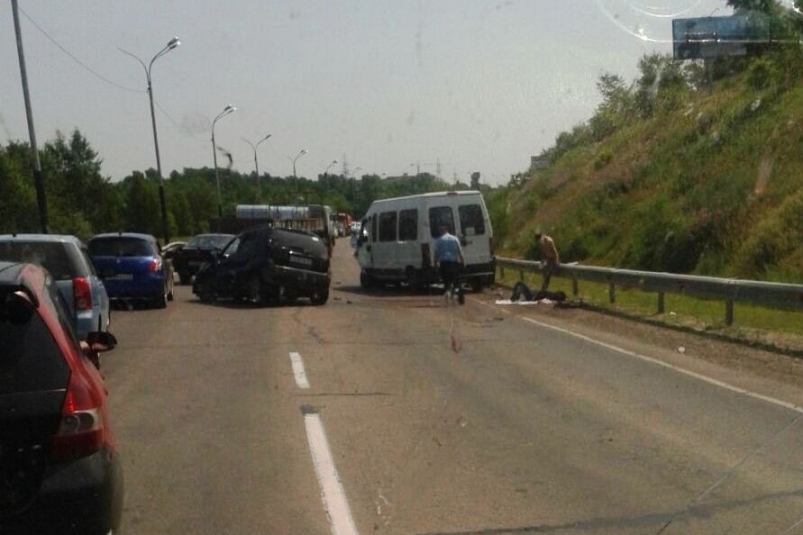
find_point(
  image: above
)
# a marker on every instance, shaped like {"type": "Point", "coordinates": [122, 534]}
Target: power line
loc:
{"type": "Point", "coordinates": [75, 59]}
{"type": "Point", "coordinates": [173, 121]}
{"type": "Point", "coordinates": [98, 75]}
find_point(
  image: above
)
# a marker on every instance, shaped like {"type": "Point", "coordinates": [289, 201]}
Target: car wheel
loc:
{"type": "Point", "coordinates": [413, 280]}
{"type": "Point", "coordinates": [256, 292]}
{"type": "Point", "coordinates": [206, 296]}
{"type": "Point", "coordinates": [184, 278]}
{"type": "Point", "coordinates": [366, 281]}
{"type": "Point", "coordinates": [320, 297]}
{"type": "Point", "coordinates": [160, 301]}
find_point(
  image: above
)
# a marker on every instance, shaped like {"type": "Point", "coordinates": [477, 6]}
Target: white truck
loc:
{"type": "Point", "coordinates": [396, 239]}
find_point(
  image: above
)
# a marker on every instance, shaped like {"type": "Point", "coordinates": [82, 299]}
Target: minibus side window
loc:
{"type": "Point", "coordinates": [471, 221]}
{"type": "Point", "coordinates": [387, 226]}
{"type": "Point", "coordinates": [439, 215]}
{"type": "Point", "coordinates": [408, 225]}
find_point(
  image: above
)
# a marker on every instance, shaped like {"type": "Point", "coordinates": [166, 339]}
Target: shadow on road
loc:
{"type": "Point", "coordinates": [236, 304]}
{"type": "Point", "coordinates": [652, 521]}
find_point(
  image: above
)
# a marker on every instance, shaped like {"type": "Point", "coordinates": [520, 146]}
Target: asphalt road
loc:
{"type": "Point", "coordinates": [426, 419]}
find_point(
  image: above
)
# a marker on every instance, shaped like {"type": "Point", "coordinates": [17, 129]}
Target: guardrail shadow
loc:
{"type": "Point", "coordinates": [650, 521]}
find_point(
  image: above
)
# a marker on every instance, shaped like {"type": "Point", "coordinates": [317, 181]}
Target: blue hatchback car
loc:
{"type": "Point", "coordinates": [132, 267]}
{"type": "Point", "coordinates": [66, 258]}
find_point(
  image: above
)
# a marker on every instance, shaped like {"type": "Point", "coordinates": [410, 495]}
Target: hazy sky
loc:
{"type": "Point", "coordinates": [477, 85]}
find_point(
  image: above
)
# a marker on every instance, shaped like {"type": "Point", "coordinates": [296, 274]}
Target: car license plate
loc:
{"type": "Point", "coordinates": [301, 261]}
{"type": "Point", "coordinates": [121, 277]}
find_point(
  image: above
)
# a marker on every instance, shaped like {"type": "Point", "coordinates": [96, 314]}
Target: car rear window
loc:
{"type": "Point", "coordinates": [30, 360]}
{"type": "Point", "coordinates": [312, 245]}
{"type": "Point", "coordinates": [209, 241]}
{"type": "Point", "coordinates": [121, 246]}
{"type": "Point", "coordinates": [54, 257]}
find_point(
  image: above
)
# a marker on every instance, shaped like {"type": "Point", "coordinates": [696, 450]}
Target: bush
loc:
{"type": "Point", "coordinates": [762, 74]}
{"type": "Point", "coordinates": [776, 238]}
{"type": "Point", "coordinates": [603, 159]}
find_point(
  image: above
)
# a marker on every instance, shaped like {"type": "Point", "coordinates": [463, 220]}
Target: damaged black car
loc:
{"type": "Point", "coordinates": [268, 265]}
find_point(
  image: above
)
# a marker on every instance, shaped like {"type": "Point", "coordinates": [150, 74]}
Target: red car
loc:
{"type": "Point", "coordinates": [59, 469]}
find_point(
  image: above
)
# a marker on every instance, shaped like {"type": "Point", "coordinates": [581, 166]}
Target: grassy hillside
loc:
{"type": "Point", "coordinates": [707, 180]}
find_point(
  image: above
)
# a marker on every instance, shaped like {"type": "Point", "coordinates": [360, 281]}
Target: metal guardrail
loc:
{"type": "Point", "coordinates": [767, 294]}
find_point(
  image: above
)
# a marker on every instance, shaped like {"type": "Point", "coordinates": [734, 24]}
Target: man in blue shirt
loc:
{"type": "Point", "coordinates": [449, 258]}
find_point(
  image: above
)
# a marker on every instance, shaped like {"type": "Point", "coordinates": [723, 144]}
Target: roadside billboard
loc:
{"type": "Point", "coordinates": [713, 37]}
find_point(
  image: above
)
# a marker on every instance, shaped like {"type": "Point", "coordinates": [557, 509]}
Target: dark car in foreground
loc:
{"type": "Point", "coordinates": [266, 264]}
{"type": "Point", "coordinates": [199, 249]}
{"type": "Point", "coordinates": [59, 470]}
{"type": "Point", "coordinates": [67, 260]}
{"type": "Point", "coordinates": [132, 267]}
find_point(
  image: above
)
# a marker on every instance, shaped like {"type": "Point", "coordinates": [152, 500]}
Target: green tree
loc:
{"type": "Point", "coordinates": [617, 108]}
{"type": "Point", "coordinates": [80, 199]}
{"type": "Point", "coordinates": [661, 77]}
{"type": "Point", "coordinates": [142, 212]}
{"type": "Point", "coordinates": [18, 208]}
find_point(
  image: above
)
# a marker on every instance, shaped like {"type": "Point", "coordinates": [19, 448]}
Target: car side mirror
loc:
{"type": "Point", "coordinates": [100, 341]}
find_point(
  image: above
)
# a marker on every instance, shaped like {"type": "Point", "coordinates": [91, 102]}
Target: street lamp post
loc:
{"type": "Point", "coordinates": [300, 154]}
{"type": "Point", "coordinates": [38, 178]}
{"type": "Point", "coordinates": [226, 111]}
{"type": "Point", "coordinates": [256, 162]}
{"type": "Point", "coordinates": [173, 43]}
{"type": "Point", "coordinates": [329, 167]}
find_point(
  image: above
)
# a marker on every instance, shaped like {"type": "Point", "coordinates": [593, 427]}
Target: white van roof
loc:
{"type": "Point", "coordinates": [431, 195]}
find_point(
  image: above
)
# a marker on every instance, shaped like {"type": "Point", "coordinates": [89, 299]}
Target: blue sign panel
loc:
{"type": "Point", "coordinates": [711, 37]}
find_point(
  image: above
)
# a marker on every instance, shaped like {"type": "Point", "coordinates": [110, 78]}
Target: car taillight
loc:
{"type": "Point", "coordinates": [154, 265]}
{"type": "Point", "coordinates": [491, 245]}
{"type": "Point", "coordinates": [82, 293]}
{"type": "Point", "coordinates": [81, 431]}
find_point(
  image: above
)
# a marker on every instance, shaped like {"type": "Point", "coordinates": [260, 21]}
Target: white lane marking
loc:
{"type": "Point", "coordinates": [684, 371]}
{"type": "Point", "coordinates": [332, 492]}
{"type": "Point", "coordinates": [298, 370]}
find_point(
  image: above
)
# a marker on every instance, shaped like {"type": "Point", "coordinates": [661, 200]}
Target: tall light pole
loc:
{"type": "Point", "coordinates": [256, 162]}
{"type": "Point", "coordinates": [173, 43]}
{"type": "Point", "coordinates": [300, 154]}
{"type": "Point", "coordinates": [38, 179]}
{"type": "Point", "coordinates": [226, 111]}
{"type": "Point", "coordinates": [329, 167]}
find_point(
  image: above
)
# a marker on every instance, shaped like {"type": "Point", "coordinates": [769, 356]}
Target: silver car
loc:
{"type": "Point", "coordinates": [67, 260]}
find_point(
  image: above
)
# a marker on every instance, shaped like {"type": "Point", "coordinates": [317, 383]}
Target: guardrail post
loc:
{"type": "Point", "coordinates": [611, 292]}
{"type": "Point", "coordinates": [661, 302]}
{"type": "Point", "coordinates": [502, 272]}
{"type": "Point", "coordinates": [575, 288]}
{"type": "Point", "coordinates": [729, 312]}
{"type": "Point", "coordinates": [521, 275]}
